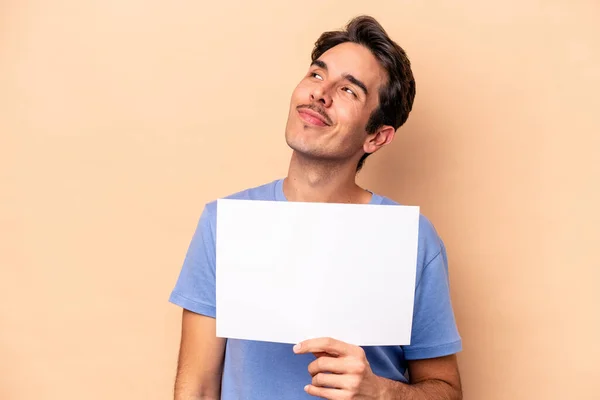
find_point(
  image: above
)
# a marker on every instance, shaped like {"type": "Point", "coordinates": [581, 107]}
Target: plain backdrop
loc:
{"type": "Point", "coordinates": [120, 119]}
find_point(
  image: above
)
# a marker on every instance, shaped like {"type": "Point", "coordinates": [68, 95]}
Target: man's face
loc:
{"type": "Point", "coordinates": [331, 105]}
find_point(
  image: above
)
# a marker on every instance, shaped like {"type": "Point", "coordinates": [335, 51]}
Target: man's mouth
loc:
{"type": "Point", "coordinates": [313, 117]}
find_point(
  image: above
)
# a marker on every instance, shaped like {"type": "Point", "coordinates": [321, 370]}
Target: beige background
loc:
{"type": "Point", "coordinates": [120, 119]}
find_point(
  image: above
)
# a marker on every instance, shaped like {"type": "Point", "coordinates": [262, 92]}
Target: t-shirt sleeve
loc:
{"type": "Point", "coordinates": [195, 287]}
{"type": "Point", "coordinates": [434, 330]}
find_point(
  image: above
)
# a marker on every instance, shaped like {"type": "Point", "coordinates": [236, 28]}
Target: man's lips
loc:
{"type": "Point", "coordinates": [312, 117]}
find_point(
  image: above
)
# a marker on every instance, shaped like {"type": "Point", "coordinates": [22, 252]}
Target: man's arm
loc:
{"type": "Point", "coordinates": [436, 378]}
{"type": "Point", "coordinates": [200, 364]}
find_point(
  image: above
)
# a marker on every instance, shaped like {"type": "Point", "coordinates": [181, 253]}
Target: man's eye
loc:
{"type": "Point", "coordinates": [348, 90]}
{"type": "Point", "coordinates": [315, 75]}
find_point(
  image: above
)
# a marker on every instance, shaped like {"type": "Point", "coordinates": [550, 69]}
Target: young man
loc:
{"type": "Point", "coordinates": [358, 90]}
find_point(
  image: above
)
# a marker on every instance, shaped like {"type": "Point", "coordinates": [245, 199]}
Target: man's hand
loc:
{"type": "Point", "coordinates": [341, 371]}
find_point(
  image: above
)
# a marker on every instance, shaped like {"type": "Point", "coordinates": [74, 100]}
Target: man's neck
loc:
{"type": "Point", "coordinates": [326, 182]}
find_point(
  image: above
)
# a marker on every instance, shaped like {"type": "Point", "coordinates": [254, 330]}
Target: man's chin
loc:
{"type": "Point", "coordinates": [307, 151]}
{"type": "Point", "coordinates": [303, 143]}
{"type": "Point", "coordinates": [298, 148]}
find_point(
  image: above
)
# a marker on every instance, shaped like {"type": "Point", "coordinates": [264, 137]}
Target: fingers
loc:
{"type": "Point", "coordinates": [335, 381]}
{"type": "Point", "coordinates": [338, 370]}
{"type": "Point", "coordinates": [326, 393]}
{"type": "Point", "coordinates": [337, 366]}
{"type": "Point", "coordinates": [321, 354]}
{"type": "Point", "coordinates": [327, 364]}
{"type": "Point", "coordinates": [327, 345]}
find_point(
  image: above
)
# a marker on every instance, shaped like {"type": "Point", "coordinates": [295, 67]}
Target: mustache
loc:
{"type": "Point", "coordinates": [318, 110]}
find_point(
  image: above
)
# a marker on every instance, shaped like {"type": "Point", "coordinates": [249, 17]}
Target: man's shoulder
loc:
{"type": "Point", "coordinates": [266, 191]}
{"type": "Point", "coordinates": [426, 227]}
{"type": "Point", "coordinates": [429, 240]}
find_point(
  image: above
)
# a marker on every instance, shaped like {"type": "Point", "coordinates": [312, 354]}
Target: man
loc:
{"type": "Point", "coordinates": [358, 90]}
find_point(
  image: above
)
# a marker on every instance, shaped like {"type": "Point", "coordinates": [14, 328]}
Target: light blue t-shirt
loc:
{"type": "Point", "coordinates": [271, 371]}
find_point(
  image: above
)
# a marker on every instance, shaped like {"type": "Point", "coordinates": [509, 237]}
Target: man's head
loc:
{"type": "Point", "coordinates": [358, 90]}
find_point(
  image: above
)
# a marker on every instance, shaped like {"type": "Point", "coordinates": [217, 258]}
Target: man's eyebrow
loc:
{"type": "Point", "coordinates": [320, 64]}
{"type": "Point", "coordinates": [356, 82]}
{"type": "Point", "coordinates": [349, 77]}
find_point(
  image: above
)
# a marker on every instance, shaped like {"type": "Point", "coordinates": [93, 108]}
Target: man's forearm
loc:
{"type": "Point", "coordinates": [182, 395]}
{"type": "Point", "coordinates": [185, 390]}
{"type": "Point", "coordinates": [432, 389]}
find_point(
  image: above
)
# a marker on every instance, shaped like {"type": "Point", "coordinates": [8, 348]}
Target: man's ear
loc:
{"type": "Point", "coordinates": [384, 135]}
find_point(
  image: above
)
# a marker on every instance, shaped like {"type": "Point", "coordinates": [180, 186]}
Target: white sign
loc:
{"type": "Point", "coordinates": [290, 271]}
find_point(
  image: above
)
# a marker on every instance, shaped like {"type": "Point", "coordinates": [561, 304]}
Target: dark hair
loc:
{"type": "Point", "coordinates": [397, 95]}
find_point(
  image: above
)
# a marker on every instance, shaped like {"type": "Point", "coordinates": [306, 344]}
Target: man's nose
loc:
{"type": "Point", "coordinates": [321, 95]}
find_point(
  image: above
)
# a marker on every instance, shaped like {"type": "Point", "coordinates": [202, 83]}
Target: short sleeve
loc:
{"type": "Point", "coordinates": [195, 286]}
{"type": "Point", "coordinates": [434, 331]}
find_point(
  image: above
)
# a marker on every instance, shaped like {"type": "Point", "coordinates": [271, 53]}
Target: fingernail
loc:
{"type": "Point", "coordinates": [306, 388]}
{"type": "Point", "coordinates": [297, 347]}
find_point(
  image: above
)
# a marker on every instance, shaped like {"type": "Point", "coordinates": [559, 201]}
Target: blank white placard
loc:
{"type": "Point", "coordinates": [290, 271]}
